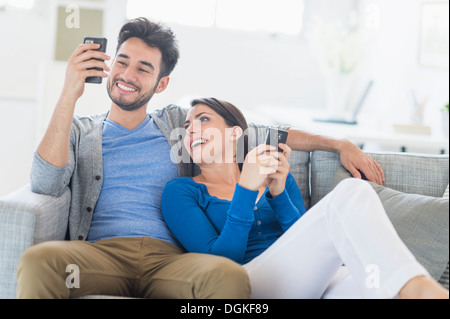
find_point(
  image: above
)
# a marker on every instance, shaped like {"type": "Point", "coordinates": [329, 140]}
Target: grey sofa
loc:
{"type": "Point", "coordinates": [27, 218]}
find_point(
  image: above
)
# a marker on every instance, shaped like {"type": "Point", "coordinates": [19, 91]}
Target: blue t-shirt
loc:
{"type": "Point", "coordinates": [239, 229]}
{"type": "Point", "coordinates": [136, 167]}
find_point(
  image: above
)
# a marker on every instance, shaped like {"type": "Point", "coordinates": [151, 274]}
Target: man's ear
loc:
{"type": "Point", "coordinates": [162, 85]}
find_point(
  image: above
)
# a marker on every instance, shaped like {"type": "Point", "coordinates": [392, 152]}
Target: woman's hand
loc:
{"type": "Point", "coordinates": [277, 181]}
{"type": "Point", "coordinates": [259, 162]}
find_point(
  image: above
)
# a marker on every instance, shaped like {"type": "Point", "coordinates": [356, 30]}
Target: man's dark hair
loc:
{"type": "Point", "coordinates": [154, 35]}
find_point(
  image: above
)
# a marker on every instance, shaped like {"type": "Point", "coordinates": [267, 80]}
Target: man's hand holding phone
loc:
{"type": "Point", "coordinates": [81, 66]}
{"type": "Point", "coordinates": [55, 145]}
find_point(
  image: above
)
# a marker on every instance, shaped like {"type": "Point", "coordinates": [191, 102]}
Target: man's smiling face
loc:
{"type": "Point", "coordinates": [134, 76]}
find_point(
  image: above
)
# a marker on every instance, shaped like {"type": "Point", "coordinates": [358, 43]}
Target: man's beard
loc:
{"type": "Point", "coordinates": [140, 101]}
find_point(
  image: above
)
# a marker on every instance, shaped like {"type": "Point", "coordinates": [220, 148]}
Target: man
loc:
{"type": "Point", "coordinates": [116, 166]}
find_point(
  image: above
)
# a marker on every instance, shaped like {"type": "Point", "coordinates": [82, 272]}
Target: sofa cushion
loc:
{"type": "Point", "coordinates": [422, 222]}
{"type": "Point", "coordinates": [299, 162]}
{"type": "Point", "coordinates": [404, 172]}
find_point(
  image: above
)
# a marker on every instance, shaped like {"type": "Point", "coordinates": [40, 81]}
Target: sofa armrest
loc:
{"type": "Point", "coordinates": [48, 214]}
{"type": "Point", "coordinates": [26, 219]}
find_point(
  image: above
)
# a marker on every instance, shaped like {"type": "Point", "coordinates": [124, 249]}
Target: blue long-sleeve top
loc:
{"type": "Point", "coordinates": [239, 229]}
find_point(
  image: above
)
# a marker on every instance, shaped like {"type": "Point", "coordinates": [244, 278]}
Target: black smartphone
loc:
{"type": "Point", "coordinates": [275, 136]}
{"type": "Point", "coordinates": [102, 42]}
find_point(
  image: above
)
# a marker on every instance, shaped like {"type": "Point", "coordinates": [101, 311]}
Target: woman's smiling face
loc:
{"type": "Point", "coordinates": [206, 135]}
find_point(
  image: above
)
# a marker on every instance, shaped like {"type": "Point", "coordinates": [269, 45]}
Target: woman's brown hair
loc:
{"type": "Point", "coordinates": [233, 117]}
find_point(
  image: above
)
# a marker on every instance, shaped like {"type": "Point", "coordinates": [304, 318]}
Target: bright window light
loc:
{"type": "Point", "coordinates": [192, 12]}
{"type": "Point", "coordinates": [21, 4]}
{"type": "Point", "coordinates": [273, 16]}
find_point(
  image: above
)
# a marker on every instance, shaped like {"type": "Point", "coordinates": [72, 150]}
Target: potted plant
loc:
{"type": "Point", "coordinates": [445, 117]}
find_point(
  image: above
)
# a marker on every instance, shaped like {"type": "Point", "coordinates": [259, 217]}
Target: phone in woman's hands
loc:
{"type": "Point", "coordinates": [275, 136]}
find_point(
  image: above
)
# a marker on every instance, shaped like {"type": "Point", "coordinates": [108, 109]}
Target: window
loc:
{"type": "Point", "coordinates": [192, 12]}
{"type": "Point", "coordinates": [20, 4]}
{"type": "Point", "coordinates": [273, 16]}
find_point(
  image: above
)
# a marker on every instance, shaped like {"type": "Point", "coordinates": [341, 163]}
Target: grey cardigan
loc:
{"type": "Point", "coordinates": [84, 170]}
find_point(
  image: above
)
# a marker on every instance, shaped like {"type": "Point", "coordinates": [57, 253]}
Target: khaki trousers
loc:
{"type": "Point", "coordinates": [127, 266]}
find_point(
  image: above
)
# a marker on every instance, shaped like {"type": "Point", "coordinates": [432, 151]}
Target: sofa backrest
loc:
{"type": "Point", "coordinates": [406, 172]}
{"type": "Point", "coordinates": [300, 170]}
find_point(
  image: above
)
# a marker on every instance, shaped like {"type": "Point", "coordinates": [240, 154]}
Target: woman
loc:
{"type": "Point", "coordinates": [253, 213]}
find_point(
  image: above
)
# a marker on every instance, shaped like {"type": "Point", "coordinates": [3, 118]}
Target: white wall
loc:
{"type": "Point", "coordinates": [30, 82]}
{"type": "Point", "coordinates": [24, 37]}
{"type": "Point", "coordinates": [17, 137]}
{"type": "Point", "coordinates": [393, 62]}
{"type": "Point", "coordinates": [248, 69]}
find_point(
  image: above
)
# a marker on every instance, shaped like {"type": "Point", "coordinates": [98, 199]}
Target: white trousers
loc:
{"type": "Point", "coordinates": [349, 226]}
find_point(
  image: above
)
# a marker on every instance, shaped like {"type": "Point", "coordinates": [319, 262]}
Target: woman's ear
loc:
{"type": "Point", "coordinates": [236, 132]}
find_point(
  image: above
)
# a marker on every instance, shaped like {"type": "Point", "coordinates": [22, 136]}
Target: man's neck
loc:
{"type": "Point", "coordinates": [127, 119]}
